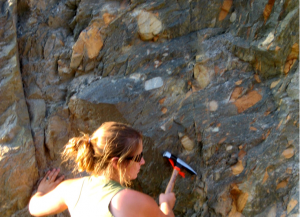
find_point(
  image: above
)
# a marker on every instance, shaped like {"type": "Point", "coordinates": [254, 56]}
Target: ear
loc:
{"type": "Point", "coordinates": [114, 162]}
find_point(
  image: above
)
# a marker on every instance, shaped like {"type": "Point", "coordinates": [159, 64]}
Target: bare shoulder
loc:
{"type": "Point", "coordinates": [72, 182]}
{"type": "Point", "coordinates": [133, 203]}
{"type": "Point", "coordinates": [129, 195]}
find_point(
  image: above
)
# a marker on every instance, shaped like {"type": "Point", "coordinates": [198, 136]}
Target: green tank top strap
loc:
{"type": "Point", "coordinates": [110, 189]}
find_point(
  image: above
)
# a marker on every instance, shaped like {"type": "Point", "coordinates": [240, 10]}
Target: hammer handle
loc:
{"type": "Point", "coordinates": [172, 181]}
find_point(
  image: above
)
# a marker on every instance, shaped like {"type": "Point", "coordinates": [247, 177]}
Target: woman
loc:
{"type": "Point", "coordinates": [113, 155]}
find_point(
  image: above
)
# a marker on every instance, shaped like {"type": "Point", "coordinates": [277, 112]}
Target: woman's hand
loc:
{"type": "Point", "coordinates": [166, 203]}
{"type": "Point", "coordinates": [169, 198]}
{"type": "Point", "coordinates": [49, 198]}
{"type": "Point", "coordinates": [49, 182]}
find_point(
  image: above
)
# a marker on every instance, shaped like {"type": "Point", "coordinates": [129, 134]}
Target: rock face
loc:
{"type": "Point", "coordinates": [214, 82]}
{"type": "Point", "coordinates": [18, 172]}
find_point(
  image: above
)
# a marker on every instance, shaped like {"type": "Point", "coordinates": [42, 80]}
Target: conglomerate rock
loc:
{"type": "Point", "coordinates": [215, 82]}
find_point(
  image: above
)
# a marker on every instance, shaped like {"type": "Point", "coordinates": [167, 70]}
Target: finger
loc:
{"type": "Point", "coordinates": [55, 175]}
{"type": "Point", "coordinates": [47, 175]}
{"type": "Point", "coordinates": [51, 174]}
{"type": "Point", "coordinates": [59, 180]}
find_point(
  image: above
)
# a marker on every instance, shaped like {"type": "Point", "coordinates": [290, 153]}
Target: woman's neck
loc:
{"type": "Point", "coordinates": [103, 177]}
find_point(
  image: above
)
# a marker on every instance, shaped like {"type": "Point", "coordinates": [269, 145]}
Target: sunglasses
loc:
{"type": "Point", "coordinates": [137, 158]}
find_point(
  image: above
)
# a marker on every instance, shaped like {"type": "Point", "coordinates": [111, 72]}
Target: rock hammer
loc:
{"type": "Point", "coordinates": [177, 164]}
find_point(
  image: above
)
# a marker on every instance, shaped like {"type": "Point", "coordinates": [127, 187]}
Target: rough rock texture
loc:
{"type": "Point", "coordinates": [214, 82]}
{"type": "Point", "coordinates": [18, 173]}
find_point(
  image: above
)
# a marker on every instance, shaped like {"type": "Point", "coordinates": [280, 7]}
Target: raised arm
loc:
{"type": "Point", "coordinates": [135, 204]}
{"type": "Point", "coordinates": [166, 203]}
{"type": "Point", "coordinates": [48, 199]}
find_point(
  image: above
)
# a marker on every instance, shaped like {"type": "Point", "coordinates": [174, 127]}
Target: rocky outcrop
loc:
{"type": "Point", "coordinates": [18, 172]}
{"type": "Point", "coordinates": [214, 82]}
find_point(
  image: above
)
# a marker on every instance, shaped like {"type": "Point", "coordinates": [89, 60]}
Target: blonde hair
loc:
{"type": "Point", "coordinates": [93, 153]}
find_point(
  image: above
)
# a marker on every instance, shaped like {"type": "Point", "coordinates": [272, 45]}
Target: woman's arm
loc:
{"type": "Point", "coordinates": [166, 203]}
{"type": "Point", "coordinates": [48, 199]}
{"type": "Point", "coordinates": [135, 204]}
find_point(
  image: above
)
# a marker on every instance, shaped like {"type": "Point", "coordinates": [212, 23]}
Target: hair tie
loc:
{"type": "Point", "coordinates": [89, 140]}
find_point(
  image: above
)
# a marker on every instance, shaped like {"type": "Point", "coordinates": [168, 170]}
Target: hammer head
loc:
{"type": "Point", "coordinates": [178, 162]}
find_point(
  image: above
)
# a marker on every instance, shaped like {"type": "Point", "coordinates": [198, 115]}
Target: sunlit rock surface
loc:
{"type": "Point", "coordinates": [19, 172]}
{"type": "Point", "coordinates": [214, 82]}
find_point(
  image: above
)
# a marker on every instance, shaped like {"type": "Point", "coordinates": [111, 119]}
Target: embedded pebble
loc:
{"type": "Point", "coordinates": [135, 76]}
{"type": "Point", "coordinates": [215, 130]}
{"type": "Point", "coordinates": [149, 25]}
{"type": "Point", "coordinates": [229, 147]}
{"type": "Point", "coordinates": [154, 83]}
{"type": "Point", "coordinates": [269, 39]}
{"type": "Point", "coordinates": [187, 143]}
{"type": "Point", "coordinates": [213, 106]}
{"type": "Point", "coordinates": [233, 17]}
